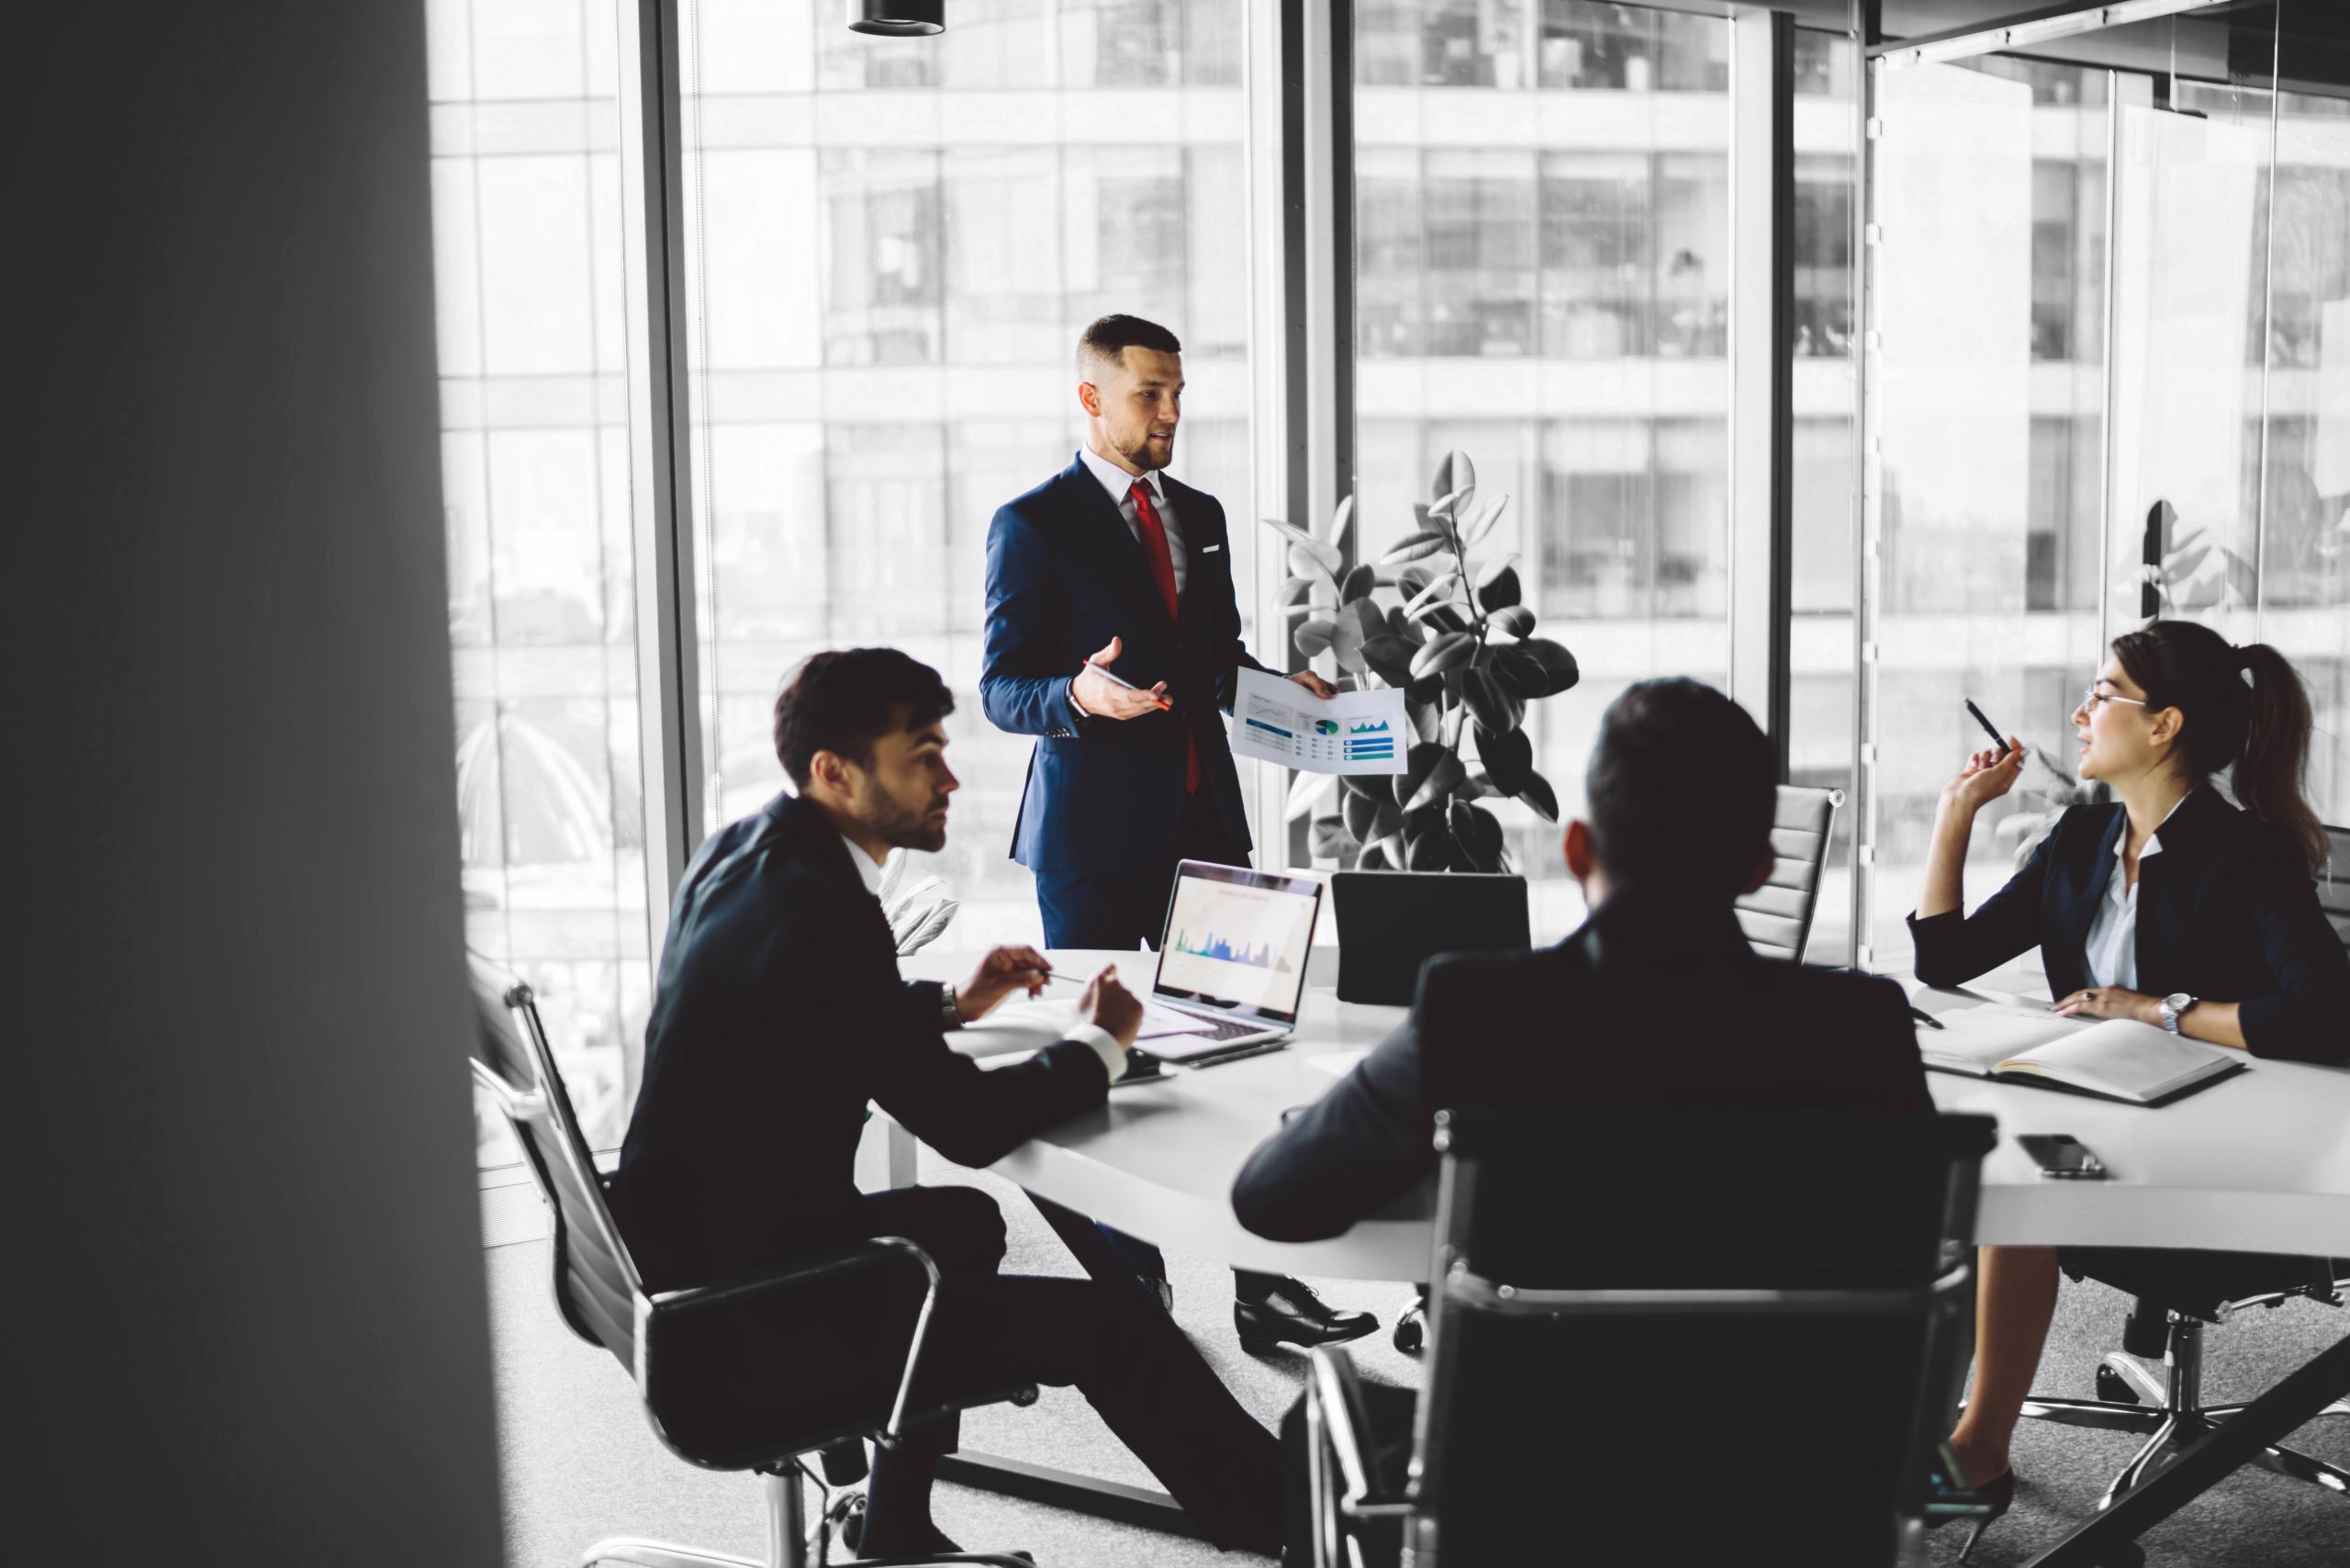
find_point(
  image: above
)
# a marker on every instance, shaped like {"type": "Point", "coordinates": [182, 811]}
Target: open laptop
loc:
{"type": "Point", "coordinates": [1231, 962]}
{"type": "Point", "coordinates": [1392, 923]}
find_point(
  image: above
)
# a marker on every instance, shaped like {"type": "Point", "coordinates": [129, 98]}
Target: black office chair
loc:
{"type": "Point", "coordinates": [1612, 1284]}
{"type": "Point", "coordinates": [677, 1344]}
{"type": "Point", "coordinates": [2333, 882]}
{"type": "Point", "coordinates": [1776, 916]}
{"type": "Point", "coordinates": [2176, 1294]}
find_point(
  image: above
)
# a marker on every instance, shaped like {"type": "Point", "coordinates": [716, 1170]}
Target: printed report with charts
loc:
{"type": "Point", "coordinates": [2115, 1059]}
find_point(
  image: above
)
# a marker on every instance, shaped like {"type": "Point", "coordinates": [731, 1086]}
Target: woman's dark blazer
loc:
{"type": "Point", "coordinates": [2226, 912]}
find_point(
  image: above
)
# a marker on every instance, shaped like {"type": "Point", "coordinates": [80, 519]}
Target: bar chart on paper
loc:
{"type": "Point", "coordinates": [1275, 719]}
{"type": "Point", "coordinates": [1238, 944]}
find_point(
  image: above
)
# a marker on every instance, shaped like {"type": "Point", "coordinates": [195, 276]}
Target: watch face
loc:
{"type": "Point", "coordinates": [2178, 1002]}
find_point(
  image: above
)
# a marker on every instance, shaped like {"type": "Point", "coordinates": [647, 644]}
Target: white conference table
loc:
{"type": "Point", "coordinates": [2258, 1162]}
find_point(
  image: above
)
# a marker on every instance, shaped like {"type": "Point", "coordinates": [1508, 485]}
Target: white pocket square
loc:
{"type": "Point", "coordinates": [1210, 549]}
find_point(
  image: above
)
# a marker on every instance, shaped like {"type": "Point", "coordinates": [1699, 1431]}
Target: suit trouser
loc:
{"type": "Point", "coordinates": [1135, 1367]}
{"type": "Point", "coordinates": [1123, 911]}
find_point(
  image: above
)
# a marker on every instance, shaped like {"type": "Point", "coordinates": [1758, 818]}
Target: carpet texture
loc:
{"type": "Point", "coordinates": [580, 1464]}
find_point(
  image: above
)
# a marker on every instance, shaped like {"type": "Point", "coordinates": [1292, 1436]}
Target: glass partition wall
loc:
{"type": "Point", "coordinates": [891, 247]}
{"type": "Point", "coordinates": [2100, 303]}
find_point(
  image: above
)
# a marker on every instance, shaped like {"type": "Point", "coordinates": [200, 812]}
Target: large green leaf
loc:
{"type": "Point", "coordinates": [1536, 668]}
{"type": "Point", "coordinates": [1508, 756]}
{"type": "Point", "coordinates": [1516, 620]}
{"type": "Point", "coordinates": [1319, 561]}
{"type": "Point", "coordinates": [1454, 472]}
{"type": "Point", "coordinates": [1438, 587]}
{"type": "Point", "coordinates": [1436, 787]}
{"type": "Point", "coordinates": [1415, 547]}
{"type": "Point", "coordinates": [1340, 517]}
{"type": "Point", "coordinates": [1372, 859]}
{"type": "Point", "coordinates": [1537, 792]}
{"type": "Point", "coordinates": [1443, 653]}
{"type": "Point", "coordinates": [1358, 585]}
{"type": "Point", "coordinates": [1443, 507]}
{"type": "Point", "coordinates": [1445, 618]}
{"type": "Point", "coordinates": [1497, 585]}
{"type": "Point", "coordinates": [1290, 532]}
{"type": "Point", "coordinates": [1297, 590]}
{"type": "Point", "coordinates": [1480, 519]}
{"type": "Point", "coordinates": [1419, 761]}
{"type": "Point", "coordinates": [1390, 657]}
{"type": "Point", "coordinates": [1347, 642]}
{"type": "Point", "coordinates": [1430, 851]}
{"type": "Point", "coordinates": [1370, 820]}
{"type": "Point", "coordinates": [1493, 706]}
{"type": "Point", "coordinates": [1315, 637]}
{"type": "Point", "coordinates": [1479, 834]}
{"type": "Point", "coordinates": [1424, 706]}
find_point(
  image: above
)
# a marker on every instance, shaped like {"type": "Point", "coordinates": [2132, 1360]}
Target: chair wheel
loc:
{"type": "Point", "coordinates": [2114, 1389]}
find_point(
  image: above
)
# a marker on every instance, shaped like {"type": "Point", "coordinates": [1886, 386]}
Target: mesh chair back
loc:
{"type": "Point", "coordinates": [1776, 916]}
{"type": "Point", "coordinates": [2333, 882]}
{"type": "Point", "coordinates": [1788, 1273]}
{"type": "Point", "coordinates": [595, 1286]}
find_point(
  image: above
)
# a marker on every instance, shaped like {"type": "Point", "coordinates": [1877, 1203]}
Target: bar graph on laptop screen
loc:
{"type": "Point", "coordinates": [1230, 943]}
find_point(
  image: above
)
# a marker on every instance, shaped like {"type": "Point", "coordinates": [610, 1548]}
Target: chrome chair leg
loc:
{"type": "Point", "coordinates": [2145, 1384]}
{"type": "Point", "coordinates": [2303, 1467]}
{"type": "Point", "coordinates": [659, 1554]}
{"type": "Point", "coordinates": [2096, 1413]}
{"type": "Point", "coordinates": [2172, 1435]}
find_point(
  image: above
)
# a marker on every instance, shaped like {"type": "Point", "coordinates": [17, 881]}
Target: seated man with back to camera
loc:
{"type": "Point", "coordinates": [779, 1014]}
{"type": "Point", "coordinates": [1682, 791]}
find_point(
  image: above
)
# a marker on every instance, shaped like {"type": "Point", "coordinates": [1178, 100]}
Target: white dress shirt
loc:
{"type": "Point", "coordinates": [1120, 483]}
{"type": "Point", "coordinates": [2112, 953]}
{"type": "Point", "coordinates": [1104, 1044]}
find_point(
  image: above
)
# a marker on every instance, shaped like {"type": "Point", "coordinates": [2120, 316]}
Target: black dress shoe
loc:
{"type": "Point", "coordinates": [1292, 1314]}
{"type": "Point", "coordinates": [1411, 1328]}
{"type": "Point", "coordinates": [1981, 1505]}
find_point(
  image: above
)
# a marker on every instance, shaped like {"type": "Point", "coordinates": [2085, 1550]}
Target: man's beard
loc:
{"type": "Point", "coordinates": [905, 827]}
{"type": "Point", "coordinates": [1142, 457]}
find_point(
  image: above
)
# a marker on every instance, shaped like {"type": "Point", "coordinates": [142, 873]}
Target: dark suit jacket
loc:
{"type": "Point", "coordinates": [2226, 912]}
{"type": "Point", "coordinates": [1651, 1003]}
{"type": "Point", "coordinates": [1065, 575]}
{"type": "Point", "coordinates": [778, 1013]}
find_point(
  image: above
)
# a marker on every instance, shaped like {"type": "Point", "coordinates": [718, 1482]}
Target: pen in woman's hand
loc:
{"type": "Point", "coordinates": [1927, 1019]}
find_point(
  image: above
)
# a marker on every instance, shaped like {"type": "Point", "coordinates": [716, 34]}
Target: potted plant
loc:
{"type": "Point", "coordinates": [1457, 636]}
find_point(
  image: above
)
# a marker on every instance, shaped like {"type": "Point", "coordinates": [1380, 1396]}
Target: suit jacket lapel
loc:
{"type": "Point", "coordinates": [2071, 935]}
{"type": "Point", "coordinates": [1192, 509]}
{"type": "Point", "coordinates": [1103, 530]}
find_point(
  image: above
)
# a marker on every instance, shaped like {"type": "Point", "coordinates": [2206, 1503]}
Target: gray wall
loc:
{"type": "Point", "coordinates": [246, 1293]}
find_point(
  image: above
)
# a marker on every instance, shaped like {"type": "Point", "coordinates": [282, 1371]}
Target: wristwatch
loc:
{"type": "Point", "coordinates": [2174, 1004]}
{"type": "Point", "coordinates": [950, 1016]}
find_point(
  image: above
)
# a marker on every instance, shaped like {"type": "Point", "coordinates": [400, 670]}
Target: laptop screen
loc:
{"type": "Point", "coordinates": [1238, 939]}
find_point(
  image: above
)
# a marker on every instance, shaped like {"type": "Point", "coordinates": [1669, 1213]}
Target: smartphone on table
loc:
{"type": "Point", "coordinates": [2063, 1157]}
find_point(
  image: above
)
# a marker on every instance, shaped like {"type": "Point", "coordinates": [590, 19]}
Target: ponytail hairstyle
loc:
{"type": "Point", "coordinates": [2243, 708]}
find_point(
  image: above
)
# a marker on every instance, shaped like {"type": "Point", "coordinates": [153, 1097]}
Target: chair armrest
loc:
{"type": "Point", "coordinates": [1338, 1437]}
{"type": "Point", "coordinates": [881, 1251]}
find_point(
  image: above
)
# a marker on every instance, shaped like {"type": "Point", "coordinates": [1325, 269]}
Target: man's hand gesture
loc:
{"type": "Point", "coordinates": [1112, 1007]}
{"type": "Point", "coordinates": [1105, 698]}
{"type": "Point", "coordinates": [1001, 972]}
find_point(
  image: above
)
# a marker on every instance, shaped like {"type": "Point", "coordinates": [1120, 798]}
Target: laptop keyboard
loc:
{"type": "Point", "coordinates": [1227, 1028]}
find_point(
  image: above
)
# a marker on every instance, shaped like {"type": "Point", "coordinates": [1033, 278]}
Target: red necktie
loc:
{"type": "Point", "coordinates": [1162, 570]}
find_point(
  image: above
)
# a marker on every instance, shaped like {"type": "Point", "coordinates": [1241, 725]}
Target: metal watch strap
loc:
{"type": "Point", "coordinates": [949, 1015]}
{"type": "Point", "coordinates": [2175, 1006]}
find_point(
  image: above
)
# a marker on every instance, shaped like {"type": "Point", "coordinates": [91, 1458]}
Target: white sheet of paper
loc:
{"type": "Point", "coordinates": [1276, 719]}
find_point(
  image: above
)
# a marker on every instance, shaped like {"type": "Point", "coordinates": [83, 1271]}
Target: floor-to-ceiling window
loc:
{"type": "Point", "coordinates": [1542, 282]}
{"type": "Point", "coordinates": [892, 246]}
{"type": "Point", "coordinates": [529, 269]}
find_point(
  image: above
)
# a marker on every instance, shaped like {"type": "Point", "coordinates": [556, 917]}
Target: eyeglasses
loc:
{"type": "Point", "coordinates": [2092, 697]}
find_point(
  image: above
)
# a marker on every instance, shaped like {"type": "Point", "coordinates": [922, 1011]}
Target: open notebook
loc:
{"type": "Point", "coordinates": [2116, 1059]}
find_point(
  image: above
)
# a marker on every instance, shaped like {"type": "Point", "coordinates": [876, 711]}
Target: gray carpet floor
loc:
{"type": "Point", "coordinates": [581, 1465]}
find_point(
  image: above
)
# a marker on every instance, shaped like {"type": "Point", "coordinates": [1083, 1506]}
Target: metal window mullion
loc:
{"type": "Point", "coordinates": [660, 447]}
{"type": "Point", "coordinates": [1762, 511]}
{"type": "Point", "coordinates": [1867, 22]}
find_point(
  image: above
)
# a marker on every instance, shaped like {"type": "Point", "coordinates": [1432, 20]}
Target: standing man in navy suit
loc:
{"type": "Point", "coordinates": [1111, 566]}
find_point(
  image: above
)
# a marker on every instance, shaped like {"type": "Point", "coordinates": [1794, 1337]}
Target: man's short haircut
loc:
{"type": "Point", "coordinates": [842, 701]}
{"type": "Point", "coordinates": [1107, 340]}
{"type": "Point", "coordinates": [1681, 789]}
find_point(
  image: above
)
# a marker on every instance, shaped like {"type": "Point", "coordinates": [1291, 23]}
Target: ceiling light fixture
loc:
{"type": "Point", "coordinates": [2034, 28]}
{"type": "Point", "coordinates": [897, 18]}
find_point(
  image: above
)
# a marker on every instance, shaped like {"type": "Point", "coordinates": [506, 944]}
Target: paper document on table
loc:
{"type": "Point", "coordinates": [1275, 719]}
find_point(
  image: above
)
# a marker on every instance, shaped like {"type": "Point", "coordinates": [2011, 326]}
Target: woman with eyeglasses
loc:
{"type": "Point", "coordinates": [2171, 907]}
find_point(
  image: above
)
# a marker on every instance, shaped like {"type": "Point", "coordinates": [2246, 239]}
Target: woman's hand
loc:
{"type": "Point", "coordinates": [1986, 778]}
{"type": "Point", "coordinates": [2112, 1001]}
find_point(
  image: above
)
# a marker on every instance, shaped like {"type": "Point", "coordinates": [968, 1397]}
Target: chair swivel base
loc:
{"type": "Point", "coordinates": [2172, 1418]}
{"type": "Point", "coordinates": [787, 1519]}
